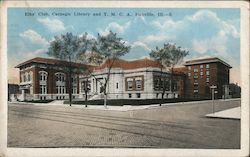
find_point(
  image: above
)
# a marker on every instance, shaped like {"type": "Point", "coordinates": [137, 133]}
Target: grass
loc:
{"type": "Point", "coordinates": [135, 102]}
{"type": "Point", "coordinates": [39, 101]}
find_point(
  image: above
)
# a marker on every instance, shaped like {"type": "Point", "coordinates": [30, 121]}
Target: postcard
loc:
{"type": "Point", "coordinates": [124, 78]}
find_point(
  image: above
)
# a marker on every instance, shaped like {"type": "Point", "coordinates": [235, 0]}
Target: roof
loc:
{"type": "Point", "coordinates": [206, 60]}
{"type": "Point", "coordinates": [52, 62]}
{"type": "Point", "coordinates": [180, 70]}
{"type": "Point", "coordinates": [126, 65]}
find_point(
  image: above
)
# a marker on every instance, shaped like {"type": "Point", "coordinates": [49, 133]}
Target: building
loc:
{"type": "Point", "coordinates": [138, 79]}
{"type": "Point", "coordinates": [13, 91]}
{"type": "Point", "coordinates": [204, 73]}
{"type": "Point", "coordinates": [43, 78]}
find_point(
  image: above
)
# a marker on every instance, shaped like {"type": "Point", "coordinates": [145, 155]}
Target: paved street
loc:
{"type": "Point", "coordinates": [175, 126]}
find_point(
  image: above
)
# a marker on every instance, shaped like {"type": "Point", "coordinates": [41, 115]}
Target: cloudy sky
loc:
{"type": "Point", "coordinates": [203, 32]}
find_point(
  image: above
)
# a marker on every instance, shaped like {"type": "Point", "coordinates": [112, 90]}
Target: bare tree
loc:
{"type": "Point", "coordinates": [108, 48]}
{"type": "Point", "coordinates": [68, 47]}
{"type": "Point", "coordinates": [169, 56]}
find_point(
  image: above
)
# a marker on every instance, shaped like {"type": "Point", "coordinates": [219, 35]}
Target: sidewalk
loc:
{"type": "Point", "coordinates": [233, 113]}
{"type": "Point", "coordinates": [116, 108]}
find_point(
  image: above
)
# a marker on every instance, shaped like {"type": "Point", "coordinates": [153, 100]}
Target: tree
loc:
{"type": "Point", "coordinates": [68, 47]}
{"type": "Point", "coordinates": [169, 56]}
{"type": "Point", "coordinates": [108, 48]}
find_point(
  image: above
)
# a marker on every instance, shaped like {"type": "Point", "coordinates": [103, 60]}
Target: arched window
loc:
{"type": "Point", "coordinates": [22, 77]}
{"type": "Point", "coordinates": [60, 83]}
{"type": "Point", "coordinates": [43, 85]}
{"type": "Point", "coordinates": [43, 75]}
{"type": "Point", "coordinates": [26, 77]}
{"type": "Point", "coordinates": [60, 77]}
{"type": "Point", "coordinates": [31, 75]}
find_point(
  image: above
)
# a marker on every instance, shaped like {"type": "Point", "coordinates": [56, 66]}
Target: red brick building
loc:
{"type": "Point", "coordinates": [201, 74]}
{"type": "Point", "coordinates": [43, 78]}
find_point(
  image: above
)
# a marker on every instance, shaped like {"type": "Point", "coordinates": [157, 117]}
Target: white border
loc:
{"type": "Point", "coordinates": [244, 34]}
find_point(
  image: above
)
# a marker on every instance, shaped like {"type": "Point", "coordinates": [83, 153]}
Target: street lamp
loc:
{"type": "Point", "coordinates": [213, 87]}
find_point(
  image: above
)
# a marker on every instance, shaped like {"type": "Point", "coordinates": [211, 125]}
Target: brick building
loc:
{"type": "Point", "coordinates": [42, 78]}
{"type": "Point", "coordinates": [202, 74]}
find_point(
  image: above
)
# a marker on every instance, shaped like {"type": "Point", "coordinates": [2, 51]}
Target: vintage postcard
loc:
{"type": "Point", "coordinates": [125, 78]}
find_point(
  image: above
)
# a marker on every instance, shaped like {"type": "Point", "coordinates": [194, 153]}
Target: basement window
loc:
{"type": "Point", "coordinates": [138, 95]}
{"type": "Point", "coordinates": [130, 95]}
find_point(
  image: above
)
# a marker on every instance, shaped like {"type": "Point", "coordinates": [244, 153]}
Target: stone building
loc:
{"type": "Point", "coordinates": [138, 79]}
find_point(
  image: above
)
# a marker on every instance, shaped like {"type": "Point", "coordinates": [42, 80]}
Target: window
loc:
{"type": "Point", "coordinates": [196, 91]}
{"type": "Point", "coordinates": [189, 74]}
{"type": "Point", "coordinates": [156, 83]}
{"type": "Point", "coordinates": [74, 89]}
{"type": "Point", "coordinates": [201, 66]}
{"type": "Point", "coordinates": [85, 85]}
{"type": "Point", "coordinates": [138, 84]}
{"type": "Point", "coordinates": [207, 72]}
{"type": "Point", "coordinates": [207, 66]}
{"type": "Point", "coordinates": [22, 78]}
{"type": "Point", "coordinates": [74, 79]}
{"type": "Point", "coordinates": [195, 83]}
{"type": "Point", "coordinates": [60, 84]}
{"type": "Point", "coordinates": [138, 95]}
{"type": "Point", "coordinates": [207, 79]}
{"type": "Point", "coordinates": [60, 77]}
{"type": "Point", "coordinates": [130, 83]}
{"type": "Point", "coordinates": [27, 78]}
{"type": "Point", "coordinates": [43, 75]}
{"type": "Point", "coordinates": [196, 70]}
{"type": "Point", "coordinates": [196, 86]}
{"type": "Point", "coordinates": [117, 85]}
{"type": "Point", "coordinates": [130, 95]}
{"type": "Point", "coordinates": [43, 89]}
{"type": "Point", "coordinates": [189, 67]}
{"type": "Point", "coordinates": [31, 75]}
{"type": "Point", "coordinates": [201, 73]}
{"type": "Point", "coordinates": [196, 77]}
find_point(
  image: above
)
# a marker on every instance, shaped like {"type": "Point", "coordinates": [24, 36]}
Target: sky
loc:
{"type": "Point", "coordinates": [204, 32]}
